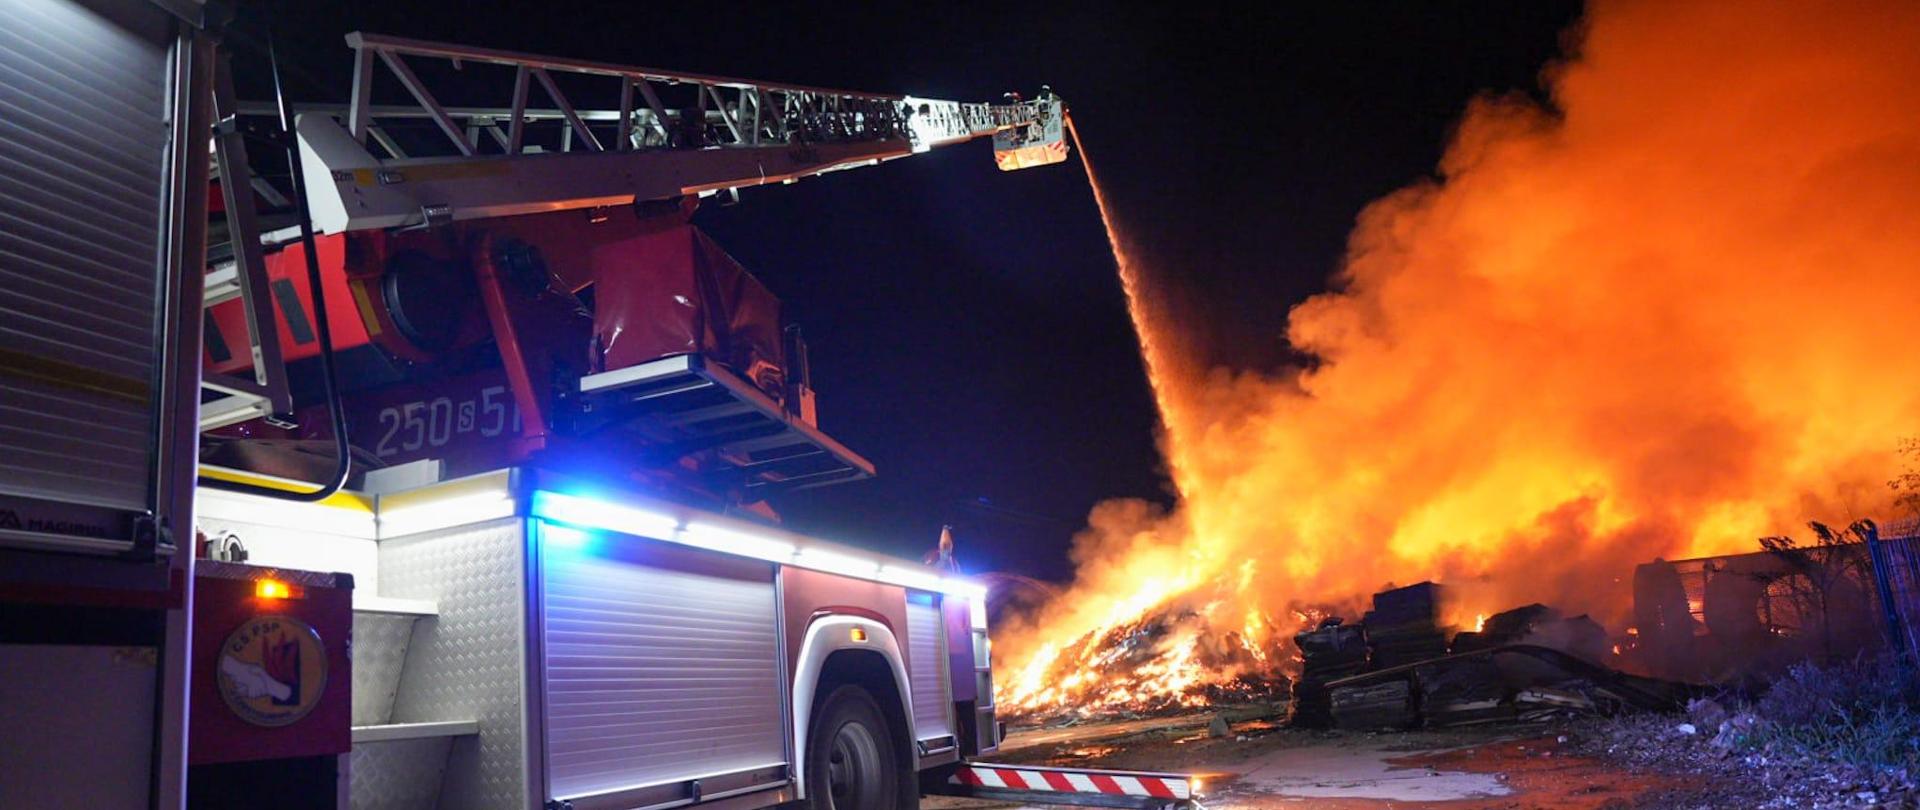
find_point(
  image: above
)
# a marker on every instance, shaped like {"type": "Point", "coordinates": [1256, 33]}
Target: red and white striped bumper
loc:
{"type": "Point", "coordinates": [1168, 786]}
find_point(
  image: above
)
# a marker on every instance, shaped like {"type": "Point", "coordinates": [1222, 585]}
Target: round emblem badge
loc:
{"type": "Point", "coordinates": [272, 670]}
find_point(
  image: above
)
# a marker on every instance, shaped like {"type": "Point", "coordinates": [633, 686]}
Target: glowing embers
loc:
{"type": "Point", "coordinates": [1167, 659]}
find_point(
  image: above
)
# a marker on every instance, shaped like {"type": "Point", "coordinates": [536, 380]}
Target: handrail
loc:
{"type": "Point", "coordinates": [750, 113]}
{"type": "Point", "coordinates": [417, 47]}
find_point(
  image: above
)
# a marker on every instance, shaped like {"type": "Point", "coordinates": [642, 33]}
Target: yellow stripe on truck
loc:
{"type": "Point", "coordinates": [344, 499]}
{"type": "Point", "coordinates": [73, 377]}
{"type": "Point", "coordinates": [430, 172]}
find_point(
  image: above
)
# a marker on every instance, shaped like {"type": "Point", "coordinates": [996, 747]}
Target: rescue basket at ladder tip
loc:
{"type": "Point", "coordinates": [1042, 142]}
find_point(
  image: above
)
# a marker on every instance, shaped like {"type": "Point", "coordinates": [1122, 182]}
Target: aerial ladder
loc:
{"type": "Point", "coordinates": [505, 324]}
{"type": "Point", "coordinates": [567, 200]}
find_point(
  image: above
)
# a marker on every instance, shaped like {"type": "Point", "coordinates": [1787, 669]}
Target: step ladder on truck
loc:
{"type": "Point", "coordinates": [430, 468]}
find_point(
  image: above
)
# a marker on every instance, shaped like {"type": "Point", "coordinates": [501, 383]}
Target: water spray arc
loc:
{"type": "Point", "coordinates": [1153, 346]}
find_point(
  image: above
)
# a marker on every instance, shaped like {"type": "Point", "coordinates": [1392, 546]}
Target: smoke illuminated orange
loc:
{"type": "Point", "coordinates": [1662, 318]}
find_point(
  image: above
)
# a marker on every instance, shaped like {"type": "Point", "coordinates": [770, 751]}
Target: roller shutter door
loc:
{"type": "Point", "coordinates": [660, 665]}
{"type": "Point", "coordinates": [84, 129]}
{"type": "Point", "coordinates": [927, 666]}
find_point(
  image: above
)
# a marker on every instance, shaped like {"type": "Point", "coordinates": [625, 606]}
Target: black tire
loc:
{"type": "Point", "coordinates": [853, 761]}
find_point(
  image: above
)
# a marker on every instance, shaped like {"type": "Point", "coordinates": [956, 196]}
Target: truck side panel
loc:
{"type": "Point", "coordinates": [469, 663]}
{"type": "Point", "coordinates": [809, 593]}
{"type": "Point", "coordinates": [912, 642]}
{"type": "Point", "coordinates": [932, 707]}
{"type": "Point", "coordinates": [661, 664]}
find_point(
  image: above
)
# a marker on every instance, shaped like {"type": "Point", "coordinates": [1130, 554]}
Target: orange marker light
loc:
{"type": "Point", "coordinates": [272, 589]}
{"type": "Point", "coordinates": [860, 634]}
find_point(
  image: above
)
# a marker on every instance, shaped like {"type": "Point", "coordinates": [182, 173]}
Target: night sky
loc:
{"type": "Point", "coordinates": [966, 326]}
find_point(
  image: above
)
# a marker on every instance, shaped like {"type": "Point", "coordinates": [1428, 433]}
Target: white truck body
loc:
{"type": "Point", "coordinates": [517, 643]}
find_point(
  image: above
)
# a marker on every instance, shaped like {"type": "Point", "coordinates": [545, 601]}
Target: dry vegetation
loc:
{"type": "Point", "coordinates": [1842, 735]}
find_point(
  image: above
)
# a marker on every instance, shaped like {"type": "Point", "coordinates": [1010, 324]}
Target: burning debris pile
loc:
{"type": "Point", "coordinates": [1580, 635]}
{"type": "Point", "coordinates": [1165, 661]}
{"type": "Point", "coordinates": [1394, 669]}
{"type": "Point", "coordinates": [1404, 626]}
{"type": "Point", "coordinates": [1330, 652]}
{"type": "Point", "coordinates": [1523, 664]}
{"type": "Point", "coordinates": [1563, 354]}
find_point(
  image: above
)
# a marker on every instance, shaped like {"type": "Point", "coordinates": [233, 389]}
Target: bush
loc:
{"type": "Point", "coordinates": [1859, 713]}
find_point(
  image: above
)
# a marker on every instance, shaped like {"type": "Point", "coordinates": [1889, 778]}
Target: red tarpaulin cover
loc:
{"type": "Point", "coordinates": [671, 290]}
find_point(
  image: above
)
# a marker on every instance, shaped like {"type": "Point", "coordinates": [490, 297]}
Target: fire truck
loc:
{"type": "Point", "coordinates": [432, 469]}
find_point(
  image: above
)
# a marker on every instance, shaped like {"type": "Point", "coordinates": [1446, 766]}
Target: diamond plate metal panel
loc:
{"type": "Point", "coordinates": [398, 774]}
{"type": "Point", "coordinates": [468, 662]}
{"type": "Point", "coordinates": [380, 642]}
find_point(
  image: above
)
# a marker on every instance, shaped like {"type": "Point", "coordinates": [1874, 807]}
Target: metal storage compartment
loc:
{"type": "Point", "coordinates": [504, 657]}
{"type": "Point", "coordinates": [103, 147]}
{"type": "Point", "coordinates": [86, 107]}
{"type": "Point", "coordinates": [596, 668]}
{"type": "Point", "coordinates": [466, 664]}
{"type": "Point", "coordinates": [661, 665]}
{"type": "Point", "coordinates": [927, 666]}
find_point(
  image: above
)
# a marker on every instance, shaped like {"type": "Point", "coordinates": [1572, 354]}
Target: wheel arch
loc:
{"type": "Point", "coordinates": [830, 658]}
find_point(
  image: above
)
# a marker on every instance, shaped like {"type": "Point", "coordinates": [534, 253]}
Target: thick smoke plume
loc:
{"type": "Point", "coordinates": [1669, 313]}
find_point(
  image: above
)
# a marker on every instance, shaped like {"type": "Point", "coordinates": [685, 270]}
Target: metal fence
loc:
{"type": "Point", "coordinates": [1901, 542]}
{"type": "Point", "coordinates": [1783, 606]}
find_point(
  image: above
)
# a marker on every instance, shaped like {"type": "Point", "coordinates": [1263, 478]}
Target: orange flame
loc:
{"type": "Point", "coordinates": [1663, 317]}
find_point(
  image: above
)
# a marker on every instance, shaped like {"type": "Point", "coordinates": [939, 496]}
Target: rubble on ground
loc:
{"type": "Point", "coordinates": [1218, 726]}
{"type": "Point", "coordinates": [1775, 777]}
{"type": "Point", "coordinates": [1385, 705]}
{"type": "Point", "coordinates": [1332, 651]}
{"type": "Point", "coordinates": [1463, 693]}
{"type": "Point", "coordinates": [1404, 626]}
{"type": "Point", "coordinates": [1397, 670]}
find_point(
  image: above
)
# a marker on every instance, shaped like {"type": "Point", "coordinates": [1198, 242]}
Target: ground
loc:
{"type": "Point", "coordinates": [1260, 764]}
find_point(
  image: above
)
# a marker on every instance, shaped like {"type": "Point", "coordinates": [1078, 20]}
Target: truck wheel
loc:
{"type": "Point", "coordinates": [851, 761]}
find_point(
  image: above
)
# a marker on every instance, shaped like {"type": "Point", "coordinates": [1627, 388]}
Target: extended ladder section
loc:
{"type": "Point", "coordinates": [668, 134]}
{"type": "Point", "coordinates": [561, 134]}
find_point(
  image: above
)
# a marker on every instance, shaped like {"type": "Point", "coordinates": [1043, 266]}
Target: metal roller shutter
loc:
{"type": "Point", "coordinates": [83, 150]}
{"type": "Point", "coordinates": [654, 674]}
{"type": "Point", "coordinates": [927, 667]}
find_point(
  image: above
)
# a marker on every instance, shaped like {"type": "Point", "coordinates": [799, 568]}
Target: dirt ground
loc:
{"type": "Point", "coordinates": [1260, 765]}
